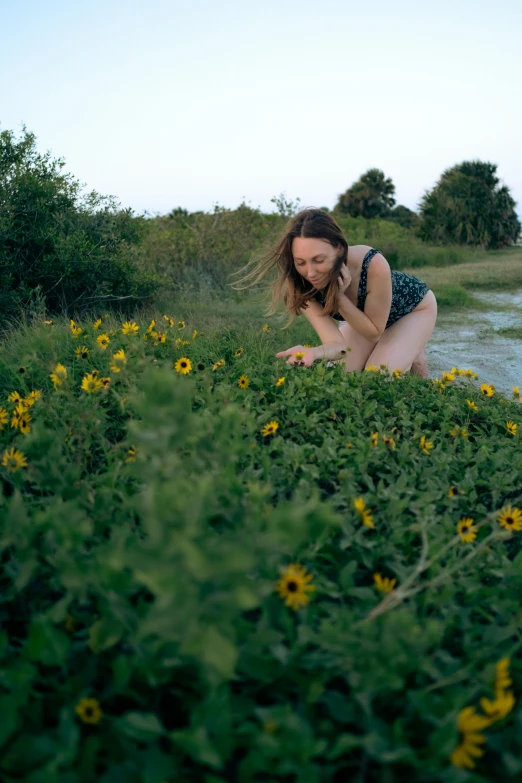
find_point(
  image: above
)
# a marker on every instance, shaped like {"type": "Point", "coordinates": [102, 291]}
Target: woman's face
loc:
{"type": "Point", "coordinates": [313, 259]}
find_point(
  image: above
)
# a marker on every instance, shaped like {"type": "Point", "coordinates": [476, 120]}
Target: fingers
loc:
{"type": "Point", "coordinates": [289, 351]}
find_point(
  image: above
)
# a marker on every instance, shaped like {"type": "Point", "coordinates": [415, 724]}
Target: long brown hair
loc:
{"type": "Point", "coordinates": [292, 287]}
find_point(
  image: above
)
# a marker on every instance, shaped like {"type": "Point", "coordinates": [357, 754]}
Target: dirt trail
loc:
{"type": "Point", "coordinates": [469, 339]}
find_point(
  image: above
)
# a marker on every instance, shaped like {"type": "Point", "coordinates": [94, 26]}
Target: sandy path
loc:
{"type": "Point", "coordinates": [468, 339]}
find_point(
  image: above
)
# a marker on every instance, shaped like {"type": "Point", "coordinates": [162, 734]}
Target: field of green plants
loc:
{"type": "Point", "coordinates": [217, 567]}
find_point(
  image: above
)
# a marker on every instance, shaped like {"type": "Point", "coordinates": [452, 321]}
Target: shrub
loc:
{"type": "Point", "coordinates": [208, 579]}
{"type": "Point", "coordinates": [194, 253]}
{"type": "Point", "coordinates": [72, 252]}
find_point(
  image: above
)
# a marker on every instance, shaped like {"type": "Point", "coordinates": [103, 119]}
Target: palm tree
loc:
{"type": "Point", "coordinates": [370, 197]}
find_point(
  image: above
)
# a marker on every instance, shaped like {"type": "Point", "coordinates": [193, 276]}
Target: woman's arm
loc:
{"type": "Point", "coordinates": [372, 322]}
{"type": "Point", "coordinates": [331, 350]}
{"type": "Point", "coordinates": [358, 320]}
{"type": "Point", "coordinates": [333, 342]}
{"type": "Point", "coordinates": [306, 356]}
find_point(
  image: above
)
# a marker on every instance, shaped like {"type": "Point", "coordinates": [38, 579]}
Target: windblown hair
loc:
{"type": "Point", "coordinates": [290, 285]}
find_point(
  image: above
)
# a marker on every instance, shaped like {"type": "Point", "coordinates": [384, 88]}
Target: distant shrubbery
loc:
{"type": "Point", "coordinates": [195, 253]}
{"type": "Point", "coordinates": [60, 249]}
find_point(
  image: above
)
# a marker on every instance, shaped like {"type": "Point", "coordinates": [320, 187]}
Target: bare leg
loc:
{"type": "Point", "coordinates": [360, 347]}
{"type": "Point", "coordinates": [403, 342]}
{"type": "Point", "coordinates": [420, 364]}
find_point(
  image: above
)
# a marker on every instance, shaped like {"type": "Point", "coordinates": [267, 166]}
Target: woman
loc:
{"type": "Point", "coordinates": [386, 317]}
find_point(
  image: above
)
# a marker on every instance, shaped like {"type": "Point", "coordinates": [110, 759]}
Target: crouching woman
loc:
{"type": "Point", "coordinates": [364, 313]}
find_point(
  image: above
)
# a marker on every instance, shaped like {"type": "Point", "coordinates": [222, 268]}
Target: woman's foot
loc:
{"type": "Point", "coordinates": [420, 365]}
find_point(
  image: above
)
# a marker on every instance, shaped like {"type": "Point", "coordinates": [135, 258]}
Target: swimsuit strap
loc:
{"type": "Point", "coordinates": [361, 294]}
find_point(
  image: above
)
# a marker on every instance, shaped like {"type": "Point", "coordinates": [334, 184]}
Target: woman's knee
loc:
{"type": "Point", "coordinates": [358, 352]}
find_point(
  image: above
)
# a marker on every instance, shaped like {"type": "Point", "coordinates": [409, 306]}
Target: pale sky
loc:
{"type": "Point", "coordinates": [166, 104]}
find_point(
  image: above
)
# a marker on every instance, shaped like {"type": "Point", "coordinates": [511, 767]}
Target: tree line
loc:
{"type": "Point", "coordinates": [67, 251]}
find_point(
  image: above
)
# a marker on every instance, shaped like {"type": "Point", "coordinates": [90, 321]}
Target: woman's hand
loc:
{"type": "Point", "coordinates": [305, 360]}
{"type": "Point", "coordinates": [344, 279]}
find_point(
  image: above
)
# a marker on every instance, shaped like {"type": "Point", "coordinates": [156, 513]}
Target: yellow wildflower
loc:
{"type": "Point", "coordinates": [510, 518]}
{"type": "Point", "coordinates": [160, 337]}
{"type": "Point", "coordinates": [459, 431]}
{"type": "Point", "coordinates": [502, 680]}
{"type": "Point", "coordinates": [467, 530]}
{"type": "Point", "coordinates": [487, 389]}
{"type": "Point", "coordinates": [59, 375]}
{"type": "Point", "coordinates": [89, 711]}
{"type": "Point", "coordinates": [91, 383]}
{"type": "Point", "coordinates": [119, 359]}
{"type": "Point", "coordinates": [365, 513]}
{"type": "Point", "coordinates": [469, 724]}
{"type": "Point", "coordinates": [13, 460]}
{"type": "Point", "coordinates": [294, 586]}
{"type": "Point", "coordinates": [270, 428]}
{"type": "Point", "coordinates": [21, 419]}
{"type": "Point", "coordinates": [425, 445]}
{"type": "Point", "coordinates": [103, 341]}
{"type": "Point", "coordinates": [183, 365]}
{"type": "Point", "coordinates": [75, 329]}
{"type": "Point", "coordinates": [500, 706]}
{"type": "Point", "coordinates": [81, 352]}
{"type": "Point", "coordinates": [385, 585]}
{"type": "Point", "coordinates": [132, 454]}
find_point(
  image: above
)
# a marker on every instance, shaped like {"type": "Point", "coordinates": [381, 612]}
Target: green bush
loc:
{"type": "Point", "coordinates": [195, 253]}
{"type": "Point", "coordinates": [59, 249]}
{"type": "Point", "coordinates": [148, 551]}
{"type": "Point", "coordinates": [469, 207]}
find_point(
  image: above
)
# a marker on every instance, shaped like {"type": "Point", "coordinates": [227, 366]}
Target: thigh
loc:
{"type": "Point", "coordinates": [361, 348]}
{"type": "Point", "coordinates": [401, 342]}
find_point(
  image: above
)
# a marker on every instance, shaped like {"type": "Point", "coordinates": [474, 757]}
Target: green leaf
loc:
{"type": "Point", "coordinates": [344, 743]}
{"type": "Point", "coordinates": [105, 633]}
{"type": "Point", "coordinates": [47, 644]}
{"type": "Point", "coordinates": [142, 726]}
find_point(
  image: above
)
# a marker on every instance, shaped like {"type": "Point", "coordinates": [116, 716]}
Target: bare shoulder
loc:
{"type": "Point", "coordinates": [379, 271]}
{"type": "Point", "coordinates": [356, 253]}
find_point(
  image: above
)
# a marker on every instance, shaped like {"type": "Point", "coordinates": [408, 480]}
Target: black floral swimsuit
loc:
{"type": "Point", "coordinates": [407, 292]}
